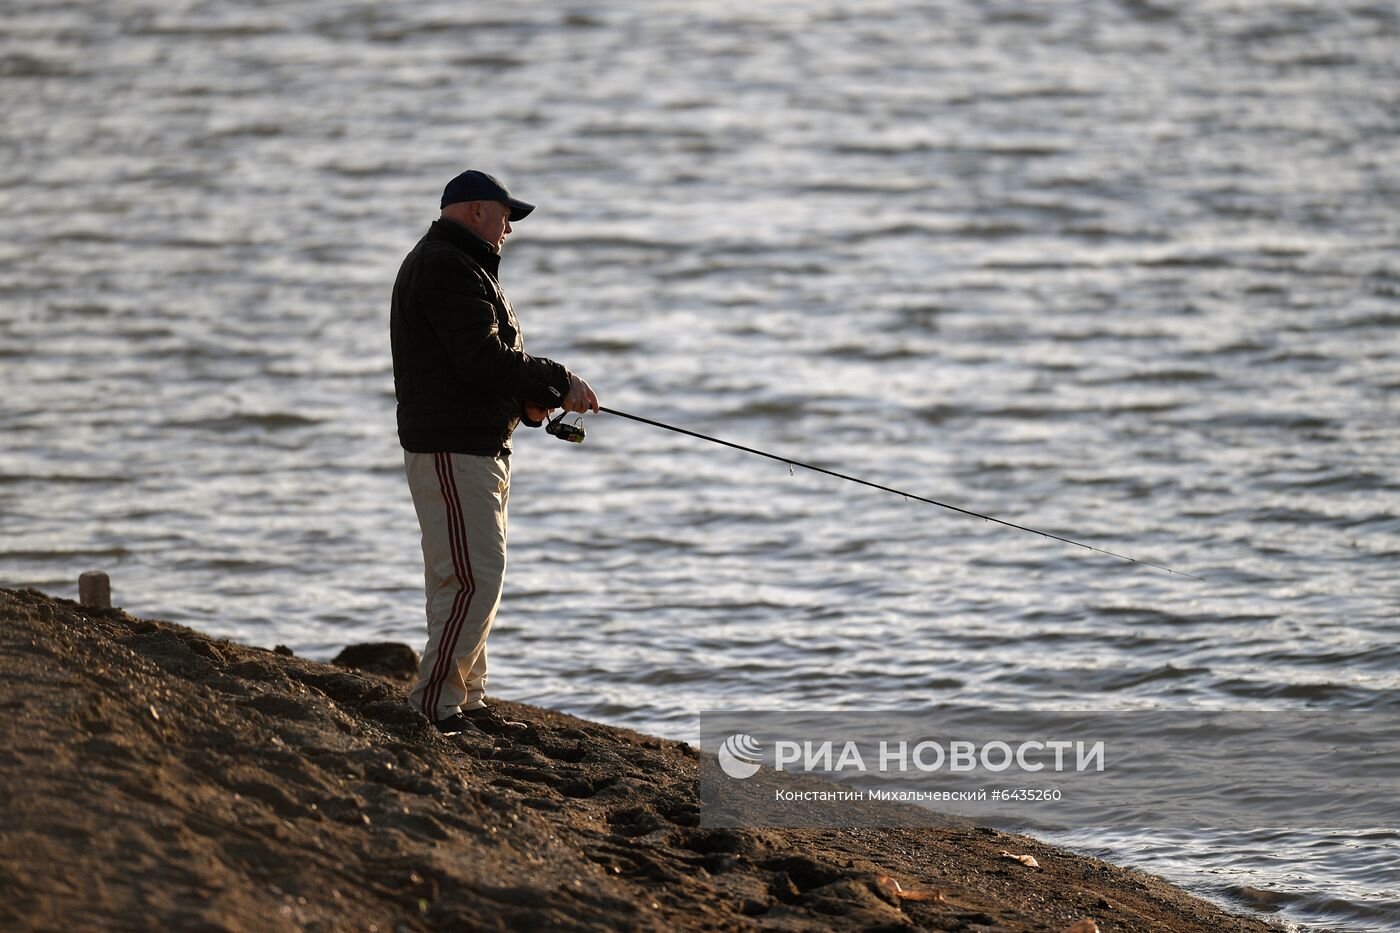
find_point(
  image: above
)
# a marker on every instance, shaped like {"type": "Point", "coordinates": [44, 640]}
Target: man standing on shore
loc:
{"type": "Point", "coordinates": [463, 382]}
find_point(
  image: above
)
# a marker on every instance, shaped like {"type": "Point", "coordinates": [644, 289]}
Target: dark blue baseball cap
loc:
{"type": "Point", "coordinates": [472, 185]}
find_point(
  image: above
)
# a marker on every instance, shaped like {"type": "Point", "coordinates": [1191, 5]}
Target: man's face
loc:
{"type": "Point", "coordinates": [492, 223]}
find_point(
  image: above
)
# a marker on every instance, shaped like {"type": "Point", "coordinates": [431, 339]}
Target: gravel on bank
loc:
{"type": "Point", "coordinates": [154, 778]}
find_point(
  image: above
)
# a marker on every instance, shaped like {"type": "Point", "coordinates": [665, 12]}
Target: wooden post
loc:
{"type": "Point", "coordinates": [95, 590]}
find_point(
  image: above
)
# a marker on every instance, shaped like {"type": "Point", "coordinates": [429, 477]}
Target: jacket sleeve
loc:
{"type": "Point", "coordinates": [462, 316]}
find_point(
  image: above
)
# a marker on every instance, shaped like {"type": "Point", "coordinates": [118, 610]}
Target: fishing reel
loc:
{"type": "Point", "coordinates": [572, 432]}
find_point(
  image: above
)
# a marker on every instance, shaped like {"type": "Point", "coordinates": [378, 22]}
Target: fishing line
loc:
{"type": "Point", "coordinates": [574, 432]}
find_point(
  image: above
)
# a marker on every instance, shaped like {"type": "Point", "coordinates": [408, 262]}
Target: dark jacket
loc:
{"type": "Point", "coordinates": [460, 374]}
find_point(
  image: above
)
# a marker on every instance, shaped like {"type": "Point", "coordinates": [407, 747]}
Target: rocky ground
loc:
{"type": "Point", "coordinates": [154, 778]}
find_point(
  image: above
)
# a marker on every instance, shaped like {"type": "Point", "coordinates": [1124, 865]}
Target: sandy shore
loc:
{"type": "Point", "coordinates": [155, 778]}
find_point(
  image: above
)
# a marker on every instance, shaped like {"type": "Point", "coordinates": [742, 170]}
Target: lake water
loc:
{"type": "Point", "coordinates": [1122, 271]}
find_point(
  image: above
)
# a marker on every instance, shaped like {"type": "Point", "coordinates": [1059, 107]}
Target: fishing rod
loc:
{"type": "Point", "coordinates": [574, 432]}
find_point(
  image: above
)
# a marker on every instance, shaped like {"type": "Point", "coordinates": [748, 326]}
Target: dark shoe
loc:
{"type": "Point", "coordinates": [489, 721]}
{"type": "Point", "coordinates": [454, 724]}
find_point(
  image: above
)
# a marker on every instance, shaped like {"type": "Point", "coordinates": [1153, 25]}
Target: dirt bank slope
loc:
{"type": "Point", "coordinates": [154, 778]}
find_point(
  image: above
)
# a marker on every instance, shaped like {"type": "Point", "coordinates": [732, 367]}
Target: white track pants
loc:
{"type": "Point", "coordinates": [461, 505]}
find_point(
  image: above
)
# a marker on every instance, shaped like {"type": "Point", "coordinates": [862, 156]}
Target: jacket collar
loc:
{"type": "Point", "coordinates": [467, 240]}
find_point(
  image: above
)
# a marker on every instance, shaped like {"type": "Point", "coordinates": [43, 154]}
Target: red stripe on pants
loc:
{"type": "Point", "coordinates": [461, 603]}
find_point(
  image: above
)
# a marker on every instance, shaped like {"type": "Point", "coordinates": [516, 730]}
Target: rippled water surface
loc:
{"type": "Point", "coordinates": [1125, 271]}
